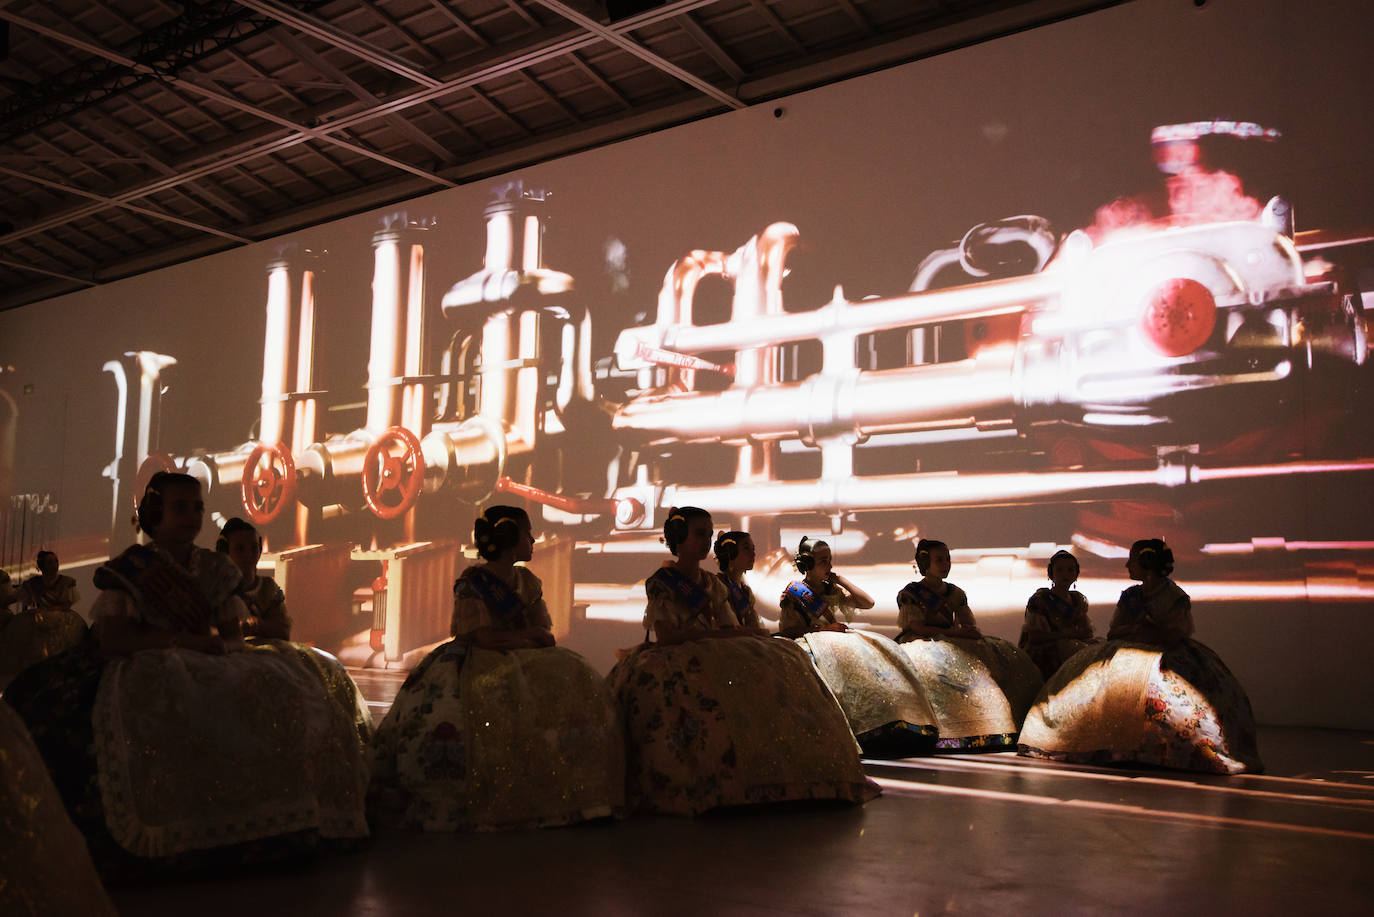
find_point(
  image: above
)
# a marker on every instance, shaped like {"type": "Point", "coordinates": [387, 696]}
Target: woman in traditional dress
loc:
{"type": "Point", "coordinates": [717, 715]}
{"type": "Point", "coordinates": [173, 749]}
{"type": "Point", "coordinates": [875, 683]}
{"type": "Point", "coordinates": [268, 625]}
{"type": "Point", "coordinates": [1056, 624]}
{"type": "Point", "coordinates": [44, 867]}
{"type": "Point", "coordinates": [735, 554]}
{"type": "Point", "coordinates": [1150, 694]}
{"type": "Point", "coordinates": [499, 728]}
{"type": "Point", "coordinates": [46, 624]}
{"type": "Point", "coordinates": [979, 687]}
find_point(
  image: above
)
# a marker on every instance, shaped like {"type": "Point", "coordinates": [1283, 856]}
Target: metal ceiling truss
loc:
{"type": "Point", "coordinates": [465, 92]}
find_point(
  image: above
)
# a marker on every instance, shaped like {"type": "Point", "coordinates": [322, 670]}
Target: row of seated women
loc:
{"type": "Point", "coordinates": [500, 728]}
{"type": "Point", "coordinates": [1149, 694]}
{"type": "Point", "coordinates": [45, 624]}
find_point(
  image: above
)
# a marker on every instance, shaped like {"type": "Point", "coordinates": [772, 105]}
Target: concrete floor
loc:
{"type": "Point", "coordinates": [965, 834]}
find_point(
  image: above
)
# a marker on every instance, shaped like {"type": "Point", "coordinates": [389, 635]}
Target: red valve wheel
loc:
{"type": "Point", "coordinates": [268, 484]}
{"type": "Point", "coordinates": [1179, 316]}
{"type": "Point", "coordinates": [155, 462]}
{"type": "Point", "coordinates": [393, 473]}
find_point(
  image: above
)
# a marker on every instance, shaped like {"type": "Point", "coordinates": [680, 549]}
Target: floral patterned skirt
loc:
{"type": "Point", "coordinates": [483, 739]}
{"type": "Point", "coordinates": [173, 761]}
{"type": "Point", "coordinates": [1131, 702]}
{"type": "Point", "coordinates": [47, 868]}
{"type": "Point", "coordinates": [971, 710]}
{"type": "Point", "coordinates": [878, 690]}
{"type": "Point", "coordinates": [34, 636]}
{"type": "Point", "coordinates": [724, 722]}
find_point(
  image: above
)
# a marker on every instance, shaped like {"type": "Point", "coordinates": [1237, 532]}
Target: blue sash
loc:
{"type": "Point", "coordinates": [507, 609]}
{"type": "Point", "coordinates": [1061, 610]}
{"type": "Point", "coordinates": [931, 603]}
{"type": "Point", "coordinates": [1133, 603]}
{"type": "Point", "coordinates": [810, 604]}
{"type": "Point", "coordinates": [740, 598]}
{"type": "Point", "coordinates": [670, 583]}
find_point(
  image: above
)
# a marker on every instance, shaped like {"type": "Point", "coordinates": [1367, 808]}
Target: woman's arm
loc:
{"type": "Point", "coordinates": [862, 600]}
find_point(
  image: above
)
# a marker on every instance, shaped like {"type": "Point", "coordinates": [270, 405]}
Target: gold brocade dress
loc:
{"type": "Point", "coordinates": [45, 627]}
{"type": "Point", "coordinates": [267, 605]}
{"type": "Point", "coordinates": [172, 760]}
{"type": "Point", "coordinates": [1175, 706]}
{"type": "Point", "coordinates": [875, 683]}
{"type": "Point", "coordinates": [727, 721]}
{"type": "Point", "coordinates": [44, 866]}
{"type": "Point", "coordinates": [979, 689]}
{"type": "Point", "coordinates": [483, 739]}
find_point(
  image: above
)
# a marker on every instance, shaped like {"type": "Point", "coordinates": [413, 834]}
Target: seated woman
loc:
{"type": "Point", "coordinates": [499, 728]}
{"type": "Point", "coordinates": [268, 626]}
{"type": "Point", "coordinates": [172, 748]}
{"type": "Point", "coordinates": [870, 676]}
{"type": "Point", "coordinates": [979, 687]}
{"type": "Point", "coordinates": [46, 867]}
{"type": "Point", "coordinates": [1151, 694]}
{"type": "Point", "coordinates": [46, 624]}
{"type": "Point", "coordinates": [1056, 624]}
{"type": "Point", "coordinates": [735, 554]}
{"type": "Point", "coordinates": [716, 715]}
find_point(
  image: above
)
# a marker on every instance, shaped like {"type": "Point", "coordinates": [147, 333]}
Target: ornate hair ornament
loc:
{"type": "Point", "coordinates": [506, 519]}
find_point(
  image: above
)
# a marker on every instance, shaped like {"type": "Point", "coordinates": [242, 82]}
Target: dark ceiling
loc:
{"type": "Point", "coordinates": [138, 133]}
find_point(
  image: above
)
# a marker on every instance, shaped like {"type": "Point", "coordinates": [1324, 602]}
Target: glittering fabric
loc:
{"type": "Point", "coordinates": [55, 698]}
{"type": "Point", "coordinates": [1013, 670]}
{"type": "Point", "coordinates": [970, 709]}
{"type": "Point", "coordinates": [732, 722]}
{"type": "Point", "coordinates": [195, 751]}
{"type": "Point", "coordinates": [483, 739]}
{"type": "Point", "coordinates": [33, 636]}
{"type": "Point", "coordinates": [44, 866]}
{"type": "Point", "coordinates": [1178, 707]}
{"type": "Point", "coordinates": [334, 678]}
{"type": "Point", "coordinates": [877, 688]}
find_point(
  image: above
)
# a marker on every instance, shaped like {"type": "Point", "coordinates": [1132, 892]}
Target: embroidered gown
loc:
{"type": "Point", "coordinates": [979, 689]}
{"type": "Point", "coordinates": [174, 760]}
{"type": "Point", "coordinates": [1055, 628]}
{"type": "Point", "coordinates": [874, 682]}
{"type": "Point", "coordinates": [268, 629]}
{"type": "Point", "coordinates": [483, 739]}
{"type": "Point", "coordinates": [732, 721]}
{"type": "Point", "coordinates": [45, 867]}
{"type": "Point", "coordinates": [1172, 706]}
{"type": "Point", "coordinates": [44, 627]}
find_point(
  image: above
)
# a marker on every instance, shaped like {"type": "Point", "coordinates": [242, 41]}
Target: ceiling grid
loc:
{"type": "Point", "coordinates": [139, 133]}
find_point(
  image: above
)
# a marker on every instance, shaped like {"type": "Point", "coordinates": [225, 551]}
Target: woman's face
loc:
{"type": "Point", "coordinates": [938, 568]}
{"type": "Point", "coordinates": [183, 513]}
{"type": "Point", "coordinates": [697, 544]}
{"type": "Point", "coordinates": [1134, 568]}
{"type": "Point", "coordinates": [524, 547]}
{"type": "Point", "coordinates": [825, 561]}
{"type": "Point", "coordinates": [244, 551]}
{"type": "Point", "coordinates": [1063, 572]}
{"type": "Point", "coordinates": [745, 559]}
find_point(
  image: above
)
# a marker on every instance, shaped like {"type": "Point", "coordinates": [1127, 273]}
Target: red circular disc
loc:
{"type": "Point", "coordinates": [1179, 316]}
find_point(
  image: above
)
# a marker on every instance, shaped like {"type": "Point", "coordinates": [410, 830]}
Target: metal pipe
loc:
{"type": "Point", "coordinates": [910, 398]}
{"type": "Point", "coordinates": [940, 490]}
